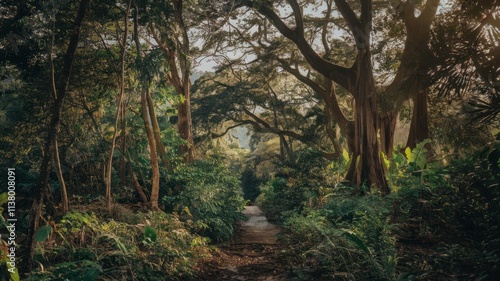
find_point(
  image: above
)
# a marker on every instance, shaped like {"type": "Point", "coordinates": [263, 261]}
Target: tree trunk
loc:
{"type": "Point", "coordinates": [184, 125]}
{"type": "Point", "coordinates": [366, 166]}
{"type": "Point", "coordinates": [387, 123]}
{"type": "Point", "coordinates": [60, 177]}
{"type": "Point", "coordinates": [177, 55]}
{"type": "Point", "coordinates": [153, 155]}
{"type": "Point", "coordinates": [119, 112]}
{"type": "Point", "coordinates": [123, 147]}
{"type": "Point", "coordinates": [137, 185]}
{"type": "Point", "coordinates": [419, 128]}
{"type": "Point", "coordinates": [109, 165]}
{"type": "Point", "coordinates": [156, 131]}
{"type": "Point", "coordinates": [411, 80]}
{"type": "Point", "coordinates": [57, 159]}
{"type": "Point", "coordinates": [148, 117]}
{"type": "Point", "coordinates": [332, 135]}
{"type": "Point", "coordinates": [42, 190]}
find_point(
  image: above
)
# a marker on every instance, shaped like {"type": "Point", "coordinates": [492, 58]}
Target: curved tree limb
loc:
{"type": "Point", "coordinates": [341, 75]}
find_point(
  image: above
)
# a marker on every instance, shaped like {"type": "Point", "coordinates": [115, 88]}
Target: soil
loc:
{"type": "Point", "coordinates": [252, 255]}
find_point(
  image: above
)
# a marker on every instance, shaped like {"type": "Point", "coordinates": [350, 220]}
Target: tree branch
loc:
{"type": "Point", "coordinates": [173, 75]}
{"type": "Point", "coordinates": [341, 75]}
{"type": "Point", "coordinates": [297, 13]}
{"type": "Point", "coordinates": [243, 122]}
{"type": "Point", "coordinates": [329, 97]}
{"type": "Point", "coordinates": [429, 12]}
{"type": "Point", "coordinates": [407, 12]}
{"type": "Point", "coordinates": [348, 14]}
{"type": "Point", "coordinates": [366, 16]}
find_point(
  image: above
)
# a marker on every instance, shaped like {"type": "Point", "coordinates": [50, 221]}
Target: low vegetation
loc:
{"type": "Point", "coordinates": [439, 223]}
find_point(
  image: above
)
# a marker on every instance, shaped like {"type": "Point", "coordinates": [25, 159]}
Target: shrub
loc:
{"type": "Point", "coordinates": [452, 216]}
{"type": "Point", "coordinates": [89, 247]}
{"type": "Point", "coordinates": [296, 185]}
{"type": "Point", "coordinates": [209, 196]}
{"type": "Point", "coordinates": [279, 199]}
{"type": "Point", "coordinates": [348, 239]}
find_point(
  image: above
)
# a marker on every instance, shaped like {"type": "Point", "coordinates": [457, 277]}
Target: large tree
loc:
{"type": "Point", "coordinates": [375, 109]}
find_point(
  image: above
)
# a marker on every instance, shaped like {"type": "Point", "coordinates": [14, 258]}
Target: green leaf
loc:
{"type": "Point", "coordinates": [91, 274]}
{"type": "Point", "coordinates": [78, 270]}
{"type": "Point", "coordinates": [386, 161]}
{"type": "Point", "coordinates": [408, 153]}
{"type": "Point", "coordinates": [345, 154]}
{"type": "Point", "coordinates": [121, 246]}
{"type": "Point", "coordinates": [188, 212]}
{"type": "Point", "coordinates": [351, 236]}
{"type": "Point", "coordinates": [150, 233]}
{"type": "Point", "coordinates": [419, 155]}
{"type": "Point", "coordinates": [43, 233]}
{"type": "Point", "coordinates": [399, 159]}
{"type": "Point", "coordinates": [14, 276]}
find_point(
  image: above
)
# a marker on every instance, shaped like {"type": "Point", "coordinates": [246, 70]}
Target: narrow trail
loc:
{"type": "Point", "coordinates": [251, 255]}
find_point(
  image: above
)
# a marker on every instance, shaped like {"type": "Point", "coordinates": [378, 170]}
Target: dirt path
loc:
{"type": "Point", "coordinates": [251, 256]}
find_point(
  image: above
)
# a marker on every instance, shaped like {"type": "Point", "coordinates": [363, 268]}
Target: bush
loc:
{"type": "Point", "coordinates": [209, 195]}
{"type": "Point", "coordinates": [348, 239]}
{"type": "Point", "coordinates": [296, 185]}
{"type": "Point", "coordinates": [440, 221]}
{"type": "Point", "coordinates": [331, 234]}
{"type": "Point", "coordinates": [452, 217]}
{"type": "Point", "coordinates": [280, 199]}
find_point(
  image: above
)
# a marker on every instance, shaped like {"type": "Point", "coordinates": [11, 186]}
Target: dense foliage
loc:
{"type": "Point", "coordinates": [144, 246]}
{"type": "Point", "coordinates": [208, 194]}
{"type": "Point", "coordinates": [441, 220]}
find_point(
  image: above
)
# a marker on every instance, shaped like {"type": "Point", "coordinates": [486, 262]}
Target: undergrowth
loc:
{"type": "Point", "coordinates": [203, 202]}
{"type": "Point", "coordinates": [439, 223]}
{"type": "Point", "coordinates": [145, 246]}
{"type": "Point", "coordinates": [208, 195]}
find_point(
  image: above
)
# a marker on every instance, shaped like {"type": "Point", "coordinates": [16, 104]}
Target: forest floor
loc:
{"type": "Point", "coordinates": [252, 255]}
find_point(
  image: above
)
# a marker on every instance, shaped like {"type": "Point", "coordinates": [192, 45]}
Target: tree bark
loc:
{"type": "Point", "coordinates": [60, 177]}
{"type": "Point", "coordinates": [411, 80]}
{"type": "Point", "coordinates": [109, 165]}
{"type": "Point", "coordinates": [184, 111]}
{"type": "Point", "coordinates": [366, 166]}
{"type": "Point", "coordinates": [184, 125]}
{"type": "Point", "coordinates": [387, 121]}
{"type": "Point", "coordinates": [146, 118]}
{"type": "Point", "coordinates": [123, 146]}
{"type": "Point", "coordinates": [42, 190]}
{"type": "Point", "coordinates": [419, 128]}
{"type": "Point", "coordinates": [153, 154]}
{"type": "Point", "coordinates": [57, 159]}
{"type": "Point", "coordinates": [137, 185]}
{"type": "Point", "coordinates": [332, 135]}
{"type": "Point", "coordinates": [156, 132]}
